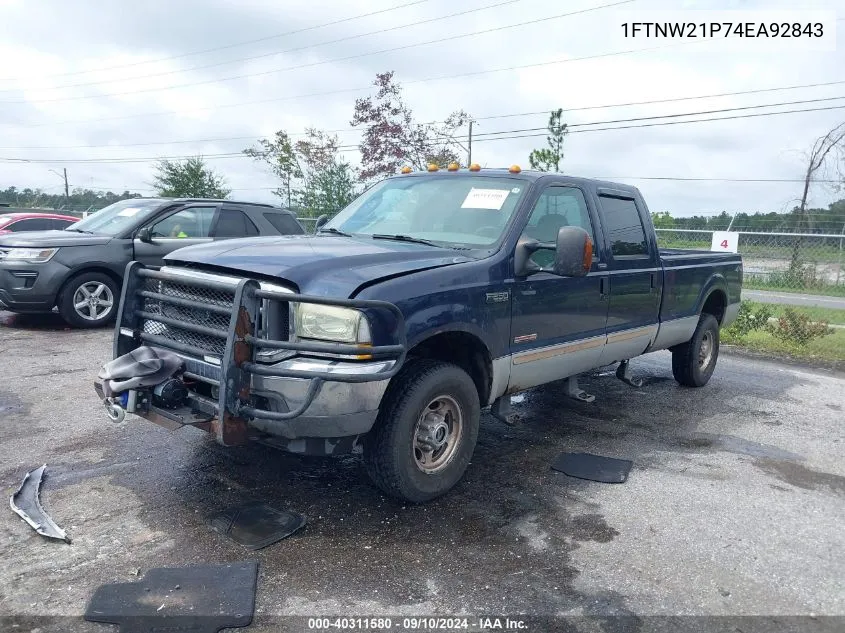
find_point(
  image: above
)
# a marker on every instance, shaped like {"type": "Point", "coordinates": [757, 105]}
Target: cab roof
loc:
{"type": "Point", "coordinates": [529, 175]}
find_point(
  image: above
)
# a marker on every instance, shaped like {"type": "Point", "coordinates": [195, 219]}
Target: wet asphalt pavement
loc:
{"type": "Point", "coordinates": [735, 504]}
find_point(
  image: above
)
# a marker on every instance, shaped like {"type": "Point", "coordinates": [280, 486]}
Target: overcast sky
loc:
{"type": "Point", "coordinates": [116, 75]}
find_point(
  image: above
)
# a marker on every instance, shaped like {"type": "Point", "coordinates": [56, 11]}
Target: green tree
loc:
{"type": "Point", "coordinates": [663, 220]}
{"type": "Point", "coordinates": [548, 159]}
{"type": "Point", "coordinates": [280, 154]}
{"type": "Point", "coordinates": [327, 190]}
{"type": "Point", "coordinates": [188, 179]}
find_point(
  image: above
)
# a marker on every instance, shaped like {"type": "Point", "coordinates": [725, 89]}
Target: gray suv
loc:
{"type": "Point", "coordinates": [80, 269]}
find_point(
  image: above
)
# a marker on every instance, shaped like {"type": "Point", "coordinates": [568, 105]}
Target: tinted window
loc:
{"type": "Point", "coordinates": [234, 223]}
{"type": "Point", "coordinates": [35, 224]}
{"type": "Point", "coordinates": [284, 223]}
{"type": "Point", "coordinates": [61, 224]}
{"type": "Point", "coordinates": [555, 208]}
{"type": "Point", "coordinates": [187, 223]}
{"type": "Point", "coordinates": [623, 226]}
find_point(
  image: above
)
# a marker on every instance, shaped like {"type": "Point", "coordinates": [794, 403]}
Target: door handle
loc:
{"type": "Point", "coordinates": [602, 288]}
{"type": "Point", "coordinates": [652, 287]}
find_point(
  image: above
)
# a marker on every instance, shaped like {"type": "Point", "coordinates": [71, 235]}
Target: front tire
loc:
{"type": "Point", "coordinates": [425, 433]}
{"type": "Point", "coordinates": [694, 361]}
{"type": "Point", "coordinates": [88, 300]}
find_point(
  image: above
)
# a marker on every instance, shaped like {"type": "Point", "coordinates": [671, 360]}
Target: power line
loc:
{"type": "Point", "coordinates": [242, 59]}
{"type": "Point", "coordinates": [514, 134]}
{"type": "Point", "coordinates": [227, 46]}
{"type": "Point", "coordinates": [489, 117]}
{"type": "Point", "coordinates": [348, 90]}
{"type": "Point", "coordinates": [320, 62]}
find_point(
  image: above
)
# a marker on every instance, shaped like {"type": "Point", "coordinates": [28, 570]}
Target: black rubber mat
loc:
{"type": "Point", "coordinates": [203, 599]}
{"type": "Point", "coordinates": [606, 470]}
{"type": "Point", "coordinates": [256, 525]}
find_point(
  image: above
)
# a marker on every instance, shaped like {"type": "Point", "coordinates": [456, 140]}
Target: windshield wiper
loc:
{"type": "Point", "coordinates": [404, 238]}
{"type": "Point", "coordinates": [333, 231]}
{"type": "Point", "coordinates": [80, 231]}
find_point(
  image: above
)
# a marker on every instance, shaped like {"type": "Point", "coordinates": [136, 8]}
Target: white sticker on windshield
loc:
{"type": "Point", "coordinates": [128, 212]}
{"type": "Point", "coordinates": [485, 199]}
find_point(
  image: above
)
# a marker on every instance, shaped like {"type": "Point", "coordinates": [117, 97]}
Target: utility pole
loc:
{"type": "Point", "coordinates": [469, 144]}
{"type": "Point", "coordinates": [63, 175]}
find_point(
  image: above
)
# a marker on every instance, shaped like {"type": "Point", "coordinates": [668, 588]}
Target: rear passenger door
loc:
{"type": "Point", "coordinates": [635, 276]}
{"type": "Point", "coordinates": [233, 222]}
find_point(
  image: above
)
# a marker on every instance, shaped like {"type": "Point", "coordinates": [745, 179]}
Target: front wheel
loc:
{"type": "Point", "coordinates": [423, 439]}
{"type": "Point", "coordinates": [694, 361]}
{"type": "Point", "coordinates": [89, 300]}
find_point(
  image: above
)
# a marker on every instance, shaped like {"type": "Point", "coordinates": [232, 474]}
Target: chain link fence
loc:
{"type": "Point", "coordinates": [806, 262]}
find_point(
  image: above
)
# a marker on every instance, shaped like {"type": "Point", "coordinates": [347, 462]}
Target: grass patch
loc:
{"type": "Point", "coordinates": [828, 348]}
{"type": "Point", "coordinates": [831, 315]}
{"type": "Point", "coordinates": [825, 290]}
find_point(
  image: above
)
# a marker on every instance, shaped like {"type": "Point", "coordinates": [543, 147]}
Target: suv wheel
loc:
{"type": "Point", "coordinates": [88, 300]}
{"type": "Point", "coordinates": [423, 439]}
{"type": "Point", "coordinates": [693, 362]}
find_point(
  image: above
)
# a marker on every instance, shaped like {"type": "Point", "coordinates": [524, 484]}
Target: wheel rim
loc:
{"type": "Point", "coordinates": [93, 300]}
{"type": "Point", "coordinates": [705, 350]}
{"type": "Point", "coordinates": [437, 434]}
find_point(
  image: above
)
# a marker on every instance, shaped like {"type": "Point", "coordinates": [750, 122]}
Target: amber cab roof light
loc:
{"type": "Point", "coordinates": [433, 167]}
{"type": "Point", "coordinates": [515, 169]}
{"type": "Point", "coordinates": [453, 167]}
{"type": "Point", "coordinates": [406, 170]}
{"type": "Point", "coordinates": [475, 167]}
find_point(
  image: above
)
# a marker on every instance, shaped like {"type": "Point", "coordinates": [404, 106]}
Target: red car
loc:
{"type": "Point", "coordinates": [17, 222]}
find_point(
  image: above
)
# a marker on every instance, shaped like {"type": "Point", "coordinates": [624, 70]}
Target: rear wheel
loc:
{"type": "Point", "coordinates": [88, 300]}
{"type": "Point", "coordinates": [694, 361]}
{"type": "Point", "coordinates": [425, 433]}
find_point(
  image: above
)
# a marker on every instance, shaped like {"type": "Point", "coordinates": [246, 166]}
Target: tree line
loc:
{"type": "Point", "coordinates": [810, 220]}
{"type": "Point", "coordinates": [315, 179]}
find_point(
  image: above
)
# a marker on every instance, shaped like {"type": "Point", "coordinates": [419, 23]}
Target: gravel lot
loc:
{"type": "Point", "coordinates": [735, 505]}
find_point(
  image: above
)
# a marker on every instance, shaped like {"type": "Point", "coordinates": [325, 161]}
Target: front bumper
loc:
{"type": "Point", "coordinates": [304, 395]}
{"type": "Point", "coordinates": [26, 287]}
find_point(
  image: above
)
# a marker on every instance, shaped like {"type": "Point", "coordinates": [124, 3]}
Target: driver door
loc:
{"type": "Point", "coordinates": [558, 324]}
{"type": "Point", "coordinates": [186, 226]}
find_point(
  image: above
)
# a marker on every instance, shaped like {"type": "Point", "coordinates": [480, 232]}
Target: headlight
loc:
{"type": "Point", "coordinates": [331, 323]}
{"type": "Point", "coordinates": [32, 255]}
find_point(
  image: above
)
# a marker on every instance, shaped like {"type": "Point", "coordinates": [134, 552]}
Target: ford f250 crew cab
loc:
{"type": "Point", "coordinates": [430, 297]}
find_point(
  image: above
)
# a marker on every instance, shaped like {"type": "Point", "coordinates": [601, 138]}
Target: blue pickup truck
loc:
{"type": "Point", "coordinates": [432, 296]}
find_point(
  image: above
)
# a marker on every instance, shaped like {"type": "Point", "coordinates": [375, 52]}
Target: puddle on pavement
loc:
{"type": "Point", "coordinates": [801, 476]}
{"type": "Point", "coordinates": [738, 445]}
{"type": "Point", "coordinates": [10, 403]}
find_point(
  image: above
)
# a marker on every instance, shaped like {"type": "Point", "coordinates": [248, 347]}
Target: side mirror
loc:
{"type": "Point", "coordinates": [321, 222]}
{"type": "Point", "coordinates": [145, 235]}
{"type": "Point", "coordinates": [573, 252]}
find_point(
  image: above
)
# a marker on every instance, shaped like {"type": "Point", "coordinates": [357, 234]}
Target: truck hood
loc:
{"type": "Point", "coordinates": [48, 239]}
{"type": "Point", "coordinates": [334, 266]}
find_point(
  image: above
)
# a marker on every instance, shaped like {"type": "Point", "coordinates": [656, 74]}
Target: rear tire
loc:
{"type": "Point", "coordinates": [89, 300]}
{"type": "Point", "coordinates": [693, 362]}
{"type": "Point", "coordinates": [425, 433]}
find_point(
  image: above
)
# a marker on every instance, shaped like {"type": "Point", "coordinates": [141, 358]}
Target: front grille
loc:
{"type": "Point", "coordinates": [196, 315]}
{"type": "Point", "coordinates": [274, 320]}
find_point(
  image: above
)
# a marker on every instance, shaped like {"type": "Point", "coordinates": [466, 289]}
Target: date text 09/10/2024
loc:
{"type": "Point", "coordinates": [418, 624]}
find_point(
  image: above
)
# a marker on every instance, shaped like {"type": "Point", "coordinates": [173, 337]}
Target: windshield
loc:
{"type": "Point", "coordinates": [117, 218]}
{"type": "Point", "coordinates": [449, 210]}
